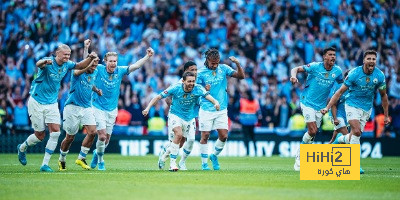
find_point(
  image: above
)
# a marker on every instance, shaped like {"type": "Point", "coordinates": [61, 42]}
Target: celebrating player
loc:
{"type": "Point", "coordinates": [109, 79]}
{"type": "Point", "coordinates": [363, 81]}
{"type": "Point", "coordinates": [42, 104]}
{"type": "Point", "coordinates": [186, 143]}
{"type": "Point", "coordinates": [78, 110]}
{"type": "Point", "coordinates": [214, 78]}
{"type": "Point", "coordinates": [320, 79]}
{"type": "Point", "coordinates": [181, 122]}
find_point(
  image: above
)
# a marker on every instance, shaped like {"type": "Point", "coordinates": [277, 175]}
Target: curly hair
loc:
{"type": "Point", "coordinates": [211, 53]}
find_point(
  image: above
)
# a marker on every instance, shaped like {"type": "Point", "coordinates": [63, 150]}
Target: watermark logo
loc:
{"type": "Point", "coordinates": [329, 162]}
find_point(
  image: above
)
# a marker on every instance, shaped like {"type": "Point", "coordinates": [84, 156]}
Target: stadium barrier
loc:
{"type": "Point", "coordinates": [266, 145]}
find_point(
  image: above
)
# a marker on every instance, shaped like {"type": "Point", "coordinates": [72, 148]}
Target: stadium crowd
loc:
{"type": "Point", "coordinates": [269, 38]}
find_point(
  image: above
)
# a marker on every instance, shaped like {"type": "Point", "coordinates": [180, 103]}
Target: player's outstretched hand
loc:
{"type": "Point", "coordinates": [87, 43]}
{"type": "Point", "coordinates": [217, 106]}
{"type": "Point", "coordinates": [234, 59]}
{"type": "Point", "coordinates": [150, 52]}
{"type": "Point", "coordinates": [145, 112]}
{"type": "Point", "coordinates": [336, 121]}
{"type": "Point", "coordinates": [293, 80]}
{"type": "Point", "coordinates": [324, 111]}
{"type": "Point", "coordinates": [387, 120]}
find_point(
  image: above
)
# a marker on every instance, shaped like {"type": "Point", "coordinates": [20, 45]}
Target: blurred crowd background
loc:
{"type": "Point", "coordinates": [268, 37]}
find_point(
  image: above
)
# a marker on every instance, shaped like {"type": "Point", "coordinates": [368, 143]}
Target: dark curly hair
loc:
{"type": "Point", "coordinates": [211, 53]}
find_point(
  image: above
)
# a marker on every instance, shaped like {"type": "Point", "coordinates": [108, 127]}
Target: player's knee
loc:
{"type": "Point", "coordinates": [54, 127]}
{"type": "Point", "coordinates": [91, 131]}
{"type": "Point", "coordinates": [312, 131]}
{"type": "Point", "coordinates": [205, 135]}
{"type": "Point", "coordinates": [69, 138]}
{"type": "Point", "coordinates": [178, 136]}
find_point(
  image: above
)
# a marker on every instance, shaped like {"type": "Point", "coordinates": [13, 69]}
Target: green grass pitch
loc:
{"type": "Point", "coordinates": [239, 178]}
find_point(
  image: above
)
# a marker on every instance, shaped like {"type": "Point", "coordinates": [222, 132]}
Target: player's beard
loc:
{"type": "Point", "coordinates": [189, 88]}
{"type": "Point", "coordinates": [370, 68]}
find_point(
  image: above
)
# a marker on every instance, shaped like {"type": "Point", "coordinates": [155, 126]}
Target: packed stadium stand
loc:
{"type": "Point", "coordinates": [268, 37]}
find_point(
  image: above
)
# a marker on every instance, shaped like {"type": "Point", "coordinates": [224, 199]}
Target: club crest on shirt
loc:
{"type": "Point", "coordinates": [333, 75]}
{"type": "Point", "coordinates": [326, 74]}
{"type": "Point", "coordinates": [367, 80]}
{"type": "Point", "coordinates": [375, 80]}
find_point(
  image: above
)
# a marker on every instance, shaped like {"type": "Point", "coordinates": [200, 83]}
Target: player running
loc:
{"type": "Point", "coordinates": [186, 143]}
{"type": "Point", "coordinates": [181, 122]}
{"type": "Point", "coordinates": [214, 78]}
{"type": "Point", "coordinates": [109, 79]}
{"type": "Point", "coordinates": [362, 81]}
{"type": "Point", "coordinates": [78, 111]}
{"type": "Point", "coordinates": [42, 104]}
{"type": "Point", "coordinates": [320, 79]}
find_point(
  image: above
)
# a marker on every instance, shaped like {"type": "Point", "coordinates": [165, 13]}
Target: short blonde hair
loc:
{"type": "Point", "coordinates": [110, 54]}
{"type": "Point", "coordinates": [63, 47]}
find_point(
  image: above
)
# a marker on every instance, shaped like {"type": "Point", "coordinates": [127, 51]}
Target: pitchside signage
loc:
{"type": "Point", "coordinates": [329, 162]}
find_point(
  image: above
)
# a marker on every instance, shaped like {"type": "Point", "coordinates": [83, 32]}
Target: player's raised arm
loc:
{"type": "Point", "coordinates": [84, 63]}
{"type": "Point", "coordinates": [78, 72]}
{"type": "Point", "coordinates": [335, 98]}
{"type": "Point", "coordinates": [239, 74]}
{"type": "Point", "coordinates": [86, 46]}
{"type": "Point", "coordinates": [43, 62]}
{"type": "Point", "coordinates": [214, 101]}
{"type": "Point", "coordinates": [385, 104]}
{"type": "Point", "coordinates": [151, 103]}
{"type": "Point", "coordinates": [140, 63]}
{"type": "Point", "coordinates": [293, 74]}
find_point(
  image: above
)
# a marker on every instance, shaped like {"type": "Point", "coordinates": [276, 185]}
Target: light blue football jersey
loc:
{"type": "Point", "coordinates": [184, 103]}
{"type": "Point", "coordinates": [109, 83]}
{"type": "Point", "coordinates": [319, 84]}
{"type": "Point", "coordinates": [218, 81]}
{"type": "Point", "coordinates": [47, 84]}
{"type": "Point", "coordinates": [80, 92]}
{"type": "Point", "coordinates": [197, 107]}
{"type": "Point", "coordinates": [362, 87]}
